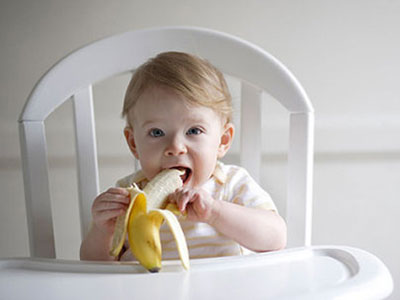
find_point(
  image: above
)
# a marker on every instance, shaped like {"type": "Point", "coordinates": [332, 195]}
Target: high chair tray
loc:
{"type": "Point", "coordinates": [323, 272]}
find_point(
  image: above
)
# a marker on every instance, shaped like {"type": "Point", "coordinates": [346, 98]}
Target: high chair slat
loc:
{"type": "Point", "coordinates": [300, 175]}
{"type": "Point", "coordinates": [250, 130]}
{"type": "Point", "coordinates": [37, 192]}
{"type": "Point", "coordinates": [85, 141]}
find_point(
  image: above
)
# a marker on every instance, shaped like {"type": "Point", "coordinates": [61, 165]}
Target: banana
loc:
{"type": "Point", "coordinates": [163, 184]}
{"type": "Point", "coordinates": [147, 210]}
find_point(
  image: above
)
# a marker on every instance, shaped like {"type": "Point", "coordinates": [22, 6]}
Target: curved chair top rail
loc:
{"type": "Point", "coordinates": [119, 54]}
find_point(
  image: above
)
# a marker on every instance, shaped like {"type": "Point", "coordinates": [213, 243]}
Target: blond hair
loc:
{"type": "Point", "coordinates": [198, 81]}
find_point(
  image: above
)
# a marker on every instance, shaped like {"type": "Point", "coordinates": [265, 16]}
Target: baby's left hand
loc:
{"type": "Point", "coordinates": [198, 204]}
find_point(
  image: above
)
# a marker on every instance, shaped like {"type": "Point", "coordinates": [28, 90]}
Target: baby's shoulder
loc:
{"type": "Point", "coordinates": [232, 174]}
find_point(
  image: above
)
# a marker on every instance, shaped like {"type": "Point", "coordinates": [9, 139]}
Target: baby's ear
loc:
{"type": "Point", "coordinates": [226, 139]}
{"type": "Point", "coordinates": [128, 132]}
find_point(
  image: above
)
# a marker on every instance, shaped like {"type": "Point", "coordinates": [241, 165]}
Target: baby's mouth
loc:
{"type": "Point", "coordinates": [186, 175]}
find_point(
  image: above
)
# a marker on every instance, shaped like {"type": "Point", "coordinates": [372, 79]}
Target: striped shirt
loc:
{"type": "Point", "coordinates": [228, 183]}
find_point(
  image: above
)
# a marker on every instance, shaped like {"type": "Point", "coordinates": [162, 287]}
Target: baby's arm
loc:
{"type": "Point", "coordinates": [254, 228]}
{"type": "Point", "coordinates": [106, 208]}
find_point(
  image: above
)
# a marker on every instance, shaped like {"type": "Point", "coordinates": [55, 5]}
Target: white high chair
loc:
{"type": "Point", "coordinates": [301, 273]}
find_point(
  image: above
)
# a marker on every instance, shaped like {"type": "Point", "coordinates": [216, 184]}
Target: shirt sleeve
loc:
{"type": "Point", "coordinates": [242, 189]}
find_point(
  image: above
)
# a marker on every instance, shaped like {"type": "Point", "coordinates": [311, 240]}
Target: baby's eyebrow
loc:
{"type": "Point", "coordinates": [197, 120]}
{"type": "Point", "coordinates": [149, 122]}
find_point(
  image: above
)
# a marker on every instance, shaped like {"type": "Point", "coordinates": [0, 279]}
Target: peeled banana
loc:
{"type": "Point", "coordinates": [143, 218]}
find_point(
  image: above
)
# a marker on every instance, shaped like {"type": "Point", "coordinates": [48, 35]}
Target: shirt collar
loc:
{"type": "Point", "coordinates": [218, 173]}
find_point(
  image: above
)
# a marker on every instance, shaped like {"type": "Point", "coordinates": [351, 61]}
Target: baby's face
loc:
{"type": "Point", "coordinates": [169, 133]}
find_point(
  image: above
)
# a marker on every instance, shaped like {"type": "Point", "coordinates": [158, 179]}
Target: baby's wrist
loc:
{"type": "Point", "coordinates": [215, 212]}
{"type": "Point", "coordinates": [100, 234]}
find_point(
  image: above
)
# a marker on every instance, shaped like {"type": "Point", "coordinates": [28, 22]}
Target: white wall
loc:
{"type": "Point", "coordinates": [345, 53]}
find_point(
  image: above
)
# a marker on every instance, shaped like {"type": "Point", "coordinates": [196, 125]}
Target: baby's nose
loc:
{"type": "Point", "coordinates": [175, 147]}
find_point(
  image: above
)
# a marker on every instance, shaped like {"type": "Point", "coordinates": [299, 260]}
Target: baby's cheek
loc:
{"type": "Point", "coordinates": [148, 170]}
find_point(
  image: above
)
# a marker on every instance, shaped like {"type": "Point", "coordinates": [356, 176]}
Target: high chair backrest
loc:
{"type": "Point", "coordinates": [74, 76]}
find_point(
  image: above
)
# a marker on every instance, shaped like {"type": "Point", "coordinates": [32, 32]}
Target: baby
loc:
{"type": "Point", "coordinates": [178, 111]}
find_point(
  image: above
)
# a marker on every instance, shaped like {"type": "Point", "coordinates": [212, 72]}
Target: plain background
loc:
{"type": "Point", "coordinates": [345, 53]}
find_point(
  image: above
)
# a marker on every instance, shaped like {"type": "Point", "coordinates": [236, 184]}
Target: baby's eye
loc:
{"type": "Point", "coordinates": [194, 131]}
{"type": "Point", "coordinates": [156, 132]}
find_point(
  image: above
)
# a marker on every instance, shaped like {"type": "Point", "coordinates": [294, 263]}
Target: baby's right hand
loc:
{"type": "Point", "coordinates": [107, 207]}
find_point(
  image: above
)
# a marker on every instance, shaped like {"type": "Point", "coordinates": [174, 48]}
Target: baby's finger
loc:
{"type": "Point", "coordinates": [172, 198]}
{"type": "Point", "coordinates": [175, 197]}
{"type": "Point", "coordinates": [107, 197]}
{"type": "Point", "coordinates": [106, 215]}
{"type": "Point", "coordinates": [184, 199]}
{"type": "Point", "coordinates": [108, 205]}
{"type": "Point", "coordinates": [118, 191]}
